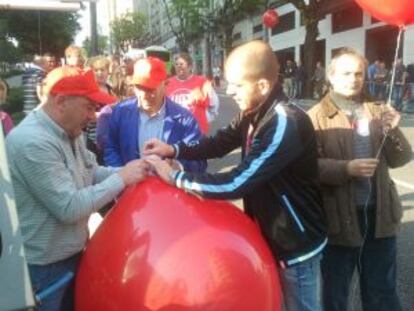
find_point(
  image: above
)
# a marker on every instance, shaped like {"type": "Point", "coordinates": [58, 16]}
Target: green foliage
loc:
{"type": "Point", "coordinates": [102, 45]}
{"type": "Point", "coordinates": [187, 20]}
{"type": "Point", "coordinates": [38, 32]}
{"type": "Point", "coordinates": [130, 29]}
{"type": "Point", "coordinates": [9, 52]}
{"type": "Point", "coordinates": [229, 12]}
{"type": "Point", "coordinates": [14, 102]}
{"type": "Point", "coordinates": [17, 117]}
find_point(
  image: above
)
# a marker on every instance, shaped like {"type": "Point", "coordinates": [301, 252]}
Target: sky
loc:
{"type": "Point", "coordinates": [84, 22]}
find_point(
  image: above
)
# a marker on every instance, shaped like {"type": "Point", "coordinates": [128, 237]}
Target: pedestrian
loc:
{"type": "Point", "coordinates": [318, 79]}
{"type": "Point", "coordinates": [75, 56]}
{"type": "Point", "coordinates": [149, 114]}
{"type": "Point", "coordinates": [360, 199]}
{"type": "Point", "coordinates": [193, 92]}
{"type": "Point", "coordinates": [399, 84]}
{"type": "Point", "coordinates": [57, 182]}
{"type": "Point", "coordinates": [371, 73]}
{"type": "Point", "coordinates": [277, 177]}
{"type": "Point", "coordinates": [300, 78]}
{"type": "Point", "coordinates": [289, 78]}
{"type": "Point", "coordinates": [381, 82]}
{"type": "Point", "coordinates": [32, 83]}
{"type": "Point", "coordinates": [100, 66]}
{"type": "Point", "coordinates": [217, 76]}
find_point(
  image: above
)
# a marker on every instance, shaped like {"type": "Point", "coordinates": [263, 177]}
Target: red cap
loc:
{"type": "Point", "coordinates": [149, 72]}
{"type": "Point", "coordinates": [74, 81]}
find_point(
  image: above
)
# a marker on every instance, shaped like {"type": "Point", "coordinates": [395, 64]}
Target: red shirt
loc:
{"type": "Point", "coordinates": [192, 94]}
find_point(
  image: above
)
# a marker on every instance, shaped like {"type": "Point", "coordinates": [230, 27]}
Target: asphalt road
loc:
{"type": "Point", "coordinates": [403, 177]}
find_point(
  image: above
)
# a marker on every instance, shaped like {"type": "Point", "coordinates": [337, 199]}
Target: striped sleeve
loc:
{"type": "Point", "coordinates": [276, 146]}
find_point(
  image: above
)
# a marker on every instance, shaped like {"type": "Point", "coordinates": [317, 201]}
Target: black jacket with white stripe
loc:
{"type": "Point", "coordinates": [277, 178]}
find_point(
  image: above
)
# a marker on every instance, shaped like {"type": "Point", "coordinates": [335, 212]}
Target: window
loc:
{"type": "Point", "coordinates": [237, 36]}
{"type": "Point", "coordinates": [346, 19]}
{"type": "Point", "coordinates": [258, 28]}
{"type": "Point", "coordinates": [286, 23]}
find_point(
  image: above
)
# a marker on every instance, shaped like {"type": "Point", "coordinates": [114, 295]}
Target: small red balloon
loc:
{"type": "Point", "coordinates": [393, 12]}
{"type": "Point", "coordinates": [270, 18]}
{"type": "Point", "coordinates": [162, 249]}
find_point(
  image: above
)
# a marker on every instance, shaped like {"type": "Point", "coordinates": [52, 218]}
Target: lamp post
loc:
{"type": "Point", "coordinates": [94, 29]}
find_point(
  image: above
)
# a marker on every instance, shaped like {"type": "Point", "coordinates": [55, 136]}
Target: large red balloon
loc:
{"type": "Point", "coordinates": [394, 12]}
{"type": "Point", "coordinates": [162, 249]}
{"type": "Point", "coordinates": [270, 18]}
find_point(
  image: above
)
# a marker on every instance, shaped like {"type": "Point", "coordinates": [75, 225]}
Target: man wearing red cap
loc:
{"type": "Point", "coordinates": [150, 114]}
{"type": "Point", "coordinates": [57, 182]}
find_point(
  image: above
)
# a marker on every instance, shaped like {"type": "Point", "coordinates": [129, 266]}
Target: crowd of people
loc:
{"type": "Point", "coordinates": [317, 183]}
{"type": "Point", "coordinates": [378, 81]}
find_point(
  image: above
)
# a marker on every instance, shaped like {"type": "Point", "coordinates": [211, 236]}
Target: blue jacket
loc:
{"type": "Point", "coordinates": [122, 145]}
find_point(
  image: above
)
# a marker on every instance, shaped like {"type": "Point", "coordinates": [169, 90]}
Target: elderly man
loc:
{"type": "Point", "coordinates": [57, 181]}
{"type": "Point", "coordinates": [150, 114]}
{"type": "Point", "coordinates": [360, 199]}
{"type": "Point", "coordinates": [277, 177]}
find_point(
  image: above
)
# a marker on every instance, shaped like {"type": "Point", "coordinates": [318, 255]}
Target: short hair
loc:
{"type": "Point", "coordinates": [74, 50]}
{"type": "Point", "coordinates": [38, 59]}
{"type": "Point", "coordinates": [349, 52]}
{"type": "Point", "coordinates": [98, 62]}
{"type": "Point", "coordinates": [257, 59]}
{"type": "Point", "coordinates": [187, 57]}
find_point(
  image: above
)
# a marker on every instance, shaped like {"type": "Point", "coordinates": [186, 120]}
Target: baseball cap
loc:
{"type": "Point", "coordinates": [75, 81]}
{"type": "Point", "coordinates": [149, 72]}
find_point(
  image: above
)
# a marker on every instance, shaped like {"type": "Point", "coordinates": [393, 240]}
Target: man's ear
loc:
{"type": "Point", "coordinates": [264, 86]}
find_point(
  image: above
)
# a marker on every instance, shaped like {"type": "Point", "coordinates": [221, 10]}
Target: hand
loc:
{"type": "Point", "coordinates": [390, 118]}
{"type": "Point", "coordinates": [159, 148]}
{"type": "Point", "coordinates": [175, 165]}
{"type": "Point", "coordinates": [362, 167]}
{"type": "Point", "coordinates": [134, 172]}
{"type": "Point", "coordinates": [162, 168]}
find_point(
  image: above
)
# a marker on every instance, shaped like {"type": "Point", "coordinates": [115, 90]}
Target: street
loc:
{"type": "Point", "coordinates": [404, 179]}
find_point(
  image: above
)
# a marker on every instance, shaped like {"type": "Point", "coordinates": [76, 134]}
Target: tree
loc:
{"type": "Point", "coordinates": [130, 30]}
{"type": "Point", "coordinates": [312, 12]}
{"type": "Point", "coordinates": [102, 44]}
{"type": "Point", "coordinates": [228, 12]}
{"type": "Point", "coordinates": [186, 20]}
{"type": "Point", "coordinates": [9, 53]}
{"type": "Point", "coordinates": [37, 32]}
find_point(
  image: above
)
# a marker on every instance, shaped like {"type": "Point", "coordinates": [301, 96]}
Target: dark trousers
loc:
{"type": "Point", "coordinates": [376, 266]}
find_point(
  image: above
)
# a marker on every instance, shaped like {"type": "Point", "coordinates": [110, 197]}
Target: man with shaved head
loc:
{"type": "Point", "coordinates": [277, 177]}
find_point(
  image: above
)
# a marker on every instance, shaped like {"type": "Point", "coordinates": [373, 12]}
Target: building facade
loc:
{"type": "Point", "coordinates": [345, 24]}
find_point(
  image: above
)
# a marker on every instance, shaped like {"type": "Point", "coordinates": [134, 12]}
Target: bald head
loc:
{"type": "Point", "coordinates": [251, 72]}
{"type": "Point", "coordinates": [254, 60]}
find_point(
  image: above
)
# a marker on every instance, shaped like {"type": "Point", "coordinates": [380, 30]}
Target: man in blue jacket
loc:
{"type": "Point", "coordinates": [150, 114]}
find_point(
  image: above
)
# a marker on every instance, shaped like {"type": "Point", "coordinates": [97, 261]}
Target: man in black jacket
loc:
{"type": "Point", "coordinates": [277, 177]}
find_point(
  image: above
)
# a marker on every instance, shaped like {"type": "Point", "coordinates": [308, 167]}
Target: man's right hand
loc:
{"type": "Point", "coordinates": [134, 172]}
{"type": "Point", "coordinates": [159, 148]}
{"type": "Point", "coordinates": [362, 167]}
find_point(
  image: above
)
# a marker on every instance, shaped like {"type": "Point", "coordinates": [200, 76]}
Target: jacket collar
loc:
{"type": "Point", "coordinates": [330, 109]}
{"type": "Point", "coordinates": [275, 96]}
